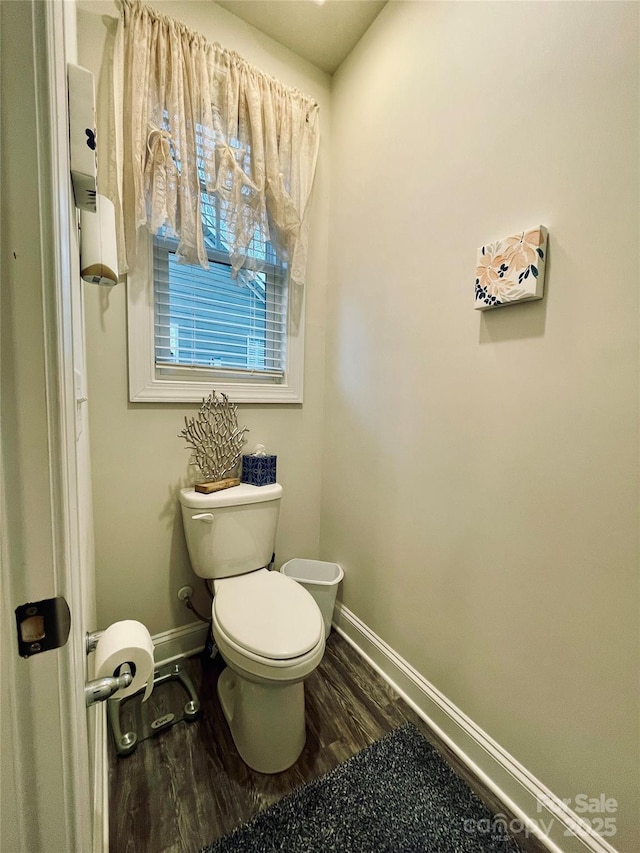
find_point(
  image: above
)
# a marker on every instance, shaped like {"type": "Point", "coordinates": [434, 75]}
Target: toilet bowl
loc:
{"type": "Point", "coordinates": [271, 638]}
{"type": "Point", "coordinates": [268, 628]}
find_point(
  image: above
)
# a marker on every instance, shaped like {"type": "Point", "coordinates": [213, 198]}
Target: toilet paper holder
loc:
{"type": "Point", "coordinates": [102, 688]}
{"type": "Point", "coordinates": [91, 640]}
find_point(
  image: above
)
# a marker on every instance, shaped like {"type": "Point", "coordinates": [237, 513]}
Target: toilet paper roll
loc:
{"type": "Point", "coordinates": [126, 642]}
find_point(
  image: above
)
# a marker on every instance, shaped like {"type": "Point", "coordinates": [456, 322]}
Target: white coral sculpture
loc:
{"type": "Point", "coordinates": [214, 437]}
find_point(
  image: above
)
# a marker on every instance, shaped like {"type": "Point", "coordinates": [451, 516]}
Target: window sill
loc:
{"type": "Point", "coordinates": [180, 391]}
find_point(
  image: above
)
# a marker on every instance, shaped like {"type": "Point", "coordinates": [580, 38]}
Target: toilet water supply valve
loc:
{"type": "Point", "coordinates": [184, 595]}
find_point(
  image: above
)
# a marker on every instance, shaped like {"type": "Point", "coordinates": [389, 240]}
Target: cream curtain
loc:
{"type": "Point", "coordinates": [196, 128]}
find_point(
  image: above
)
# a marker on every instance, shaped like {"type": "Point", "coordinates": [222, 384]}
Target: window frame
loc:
{"type": "Point", "coordinates": [149, 383]}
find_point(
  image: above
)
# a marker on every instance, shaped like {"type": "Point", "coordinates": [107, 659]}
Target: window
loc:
{"type": "Point", "coordinates": [204, 319]}
{"type": "Point", "coordinates": [199, 329]}
{"type": "Point", "coordinates": [223, 152]}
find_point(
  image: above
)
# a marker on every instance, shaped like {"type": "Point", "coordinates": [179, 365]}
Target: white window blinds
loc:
{"type": "Point", "coordinates": [205, 319]}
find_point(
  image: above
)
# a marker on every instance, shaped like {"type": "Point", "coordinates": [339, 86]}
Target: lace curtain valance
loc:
{"type": "Point", "coordinates": [197, 130]}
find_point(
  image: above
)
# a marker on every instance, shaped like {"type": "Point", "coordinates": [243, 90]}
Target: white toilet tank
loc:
{"type": "Point", "coordinates": [230, 532]}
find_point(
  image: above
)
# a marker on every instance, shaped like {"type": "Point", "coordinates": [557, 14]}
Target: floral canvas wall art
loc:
{"type": "Point", "coordinates": [511, 270]}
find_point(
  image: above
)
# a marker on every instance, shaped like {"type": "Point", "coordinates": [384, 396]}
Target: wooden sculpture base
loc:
{"type": "Point", "coordinates": [207, 488]}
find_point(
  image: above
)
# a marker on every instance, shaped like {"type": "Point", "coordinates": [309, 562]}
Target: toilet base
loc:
{"type": "Point", "coordinates": [266, 720]}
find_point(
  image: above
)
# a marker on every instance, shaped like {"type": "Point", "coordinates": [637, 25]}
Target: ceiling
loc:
{"type": "Point", "coordinates": [322, 33]}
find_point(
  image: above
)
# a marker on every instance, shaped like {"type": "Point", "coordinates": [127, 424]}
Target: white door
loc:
{"type": "Point", "coordinates": [48, 790]}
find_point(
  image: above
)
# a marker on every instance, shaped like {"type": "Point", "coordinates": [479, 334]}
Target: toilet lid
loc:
{"type": "Point", "coordinates": [268, 614]}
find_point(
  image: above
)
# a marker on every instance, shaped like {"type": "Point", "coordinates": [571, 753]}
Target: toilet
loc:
{"type": "Point", "coordinates": [267, 627]}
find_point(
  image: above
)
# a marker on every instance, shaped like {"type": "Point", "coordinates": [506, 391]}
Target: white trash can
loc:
{"type": "Point", "coordinates": [320, 579]}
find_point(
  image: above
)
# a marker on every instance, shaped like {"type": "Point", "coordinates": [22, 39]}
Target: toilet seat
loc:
{"type": "Point", "coordinates": [266, 670]}
{"type": "Point", "coordinates": [267, 617]}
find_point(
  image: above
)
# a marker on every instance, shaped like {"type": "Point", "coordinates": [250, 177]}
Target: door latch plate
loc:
{"type": "Point", "coordinates": [42, 625]}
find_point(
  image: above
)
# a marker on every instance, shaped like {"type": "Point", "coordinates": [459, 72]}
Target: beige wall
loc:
{"type": "Point", "coordinates": [138, 462]}
{"type": "Point", "coordinates": [480, 473]}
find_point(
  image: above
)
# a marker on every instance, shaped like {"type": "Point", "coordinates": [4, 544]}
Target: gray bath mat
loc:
{"type": "Point", "coordinates": [396, 796]}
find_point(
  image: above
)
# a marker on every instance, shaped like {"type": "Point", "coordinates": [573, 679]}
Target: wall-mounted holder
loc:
{"type": "Point", "coordinates": [104, 688]}
{"type": "Point", "coordinates": [98, 251]}
{"type": "Point", "coordinates": [511, 270]}
{"type": "Point", "coordinates": [82, 136]}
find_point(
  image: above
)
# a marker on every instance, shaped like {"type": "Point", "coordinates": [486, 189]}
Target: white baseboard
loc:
{"type": "Point", "coordinates": [179, 642]}
{"type": "Point", "coordinates": [543, 814]}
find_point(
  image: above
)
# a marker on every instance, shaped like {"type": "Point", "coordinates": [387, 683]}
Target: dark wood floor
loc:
{"type": "Point", "coordinates": [187, 786]}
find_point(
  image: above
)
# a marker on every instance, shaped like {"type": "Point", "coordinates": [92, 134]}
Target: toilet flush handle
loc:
{"type": "Point", "coordinates": [207, 517]}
